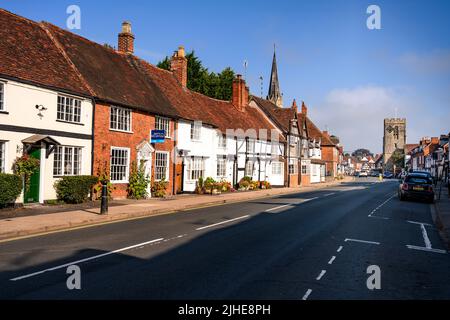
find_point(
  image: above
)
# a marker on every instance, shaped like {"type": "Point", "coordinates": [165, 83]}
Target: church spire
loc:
{"type": "Point", "coordinates": [274, 86]}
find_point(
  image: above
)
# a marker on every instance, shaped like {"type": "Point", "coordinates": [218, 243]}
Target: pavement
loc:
{"type": "Point", "coordinates": [442, 209]}
{"type": "Point", "coordinates": [62, 218]}
{"type": "Point", "coordinates": [321, 244]}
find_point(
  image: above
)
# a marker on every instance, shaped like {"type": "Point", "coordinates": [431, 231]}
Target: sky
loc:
{"type": "Point", "coordinates": [349, 76]}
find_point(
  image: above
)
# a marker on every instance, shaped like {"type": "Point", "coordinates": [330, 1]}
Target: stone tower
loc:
{"type": "Point", "coordinates": [394, 139]}
{"type": "Point", "coordinates": [274, 86]}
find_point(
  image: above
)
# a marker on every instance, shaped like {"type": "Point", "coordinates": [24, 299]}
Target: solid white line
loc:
{"type": "Point", "coordinates": [279, 207]}
{"type": "Point", "coordinates": [426, 249]}
{"type": "Point", "coordinates": [339, 249]}
{"type": "Point", "coordinates": [362, 241]}
{"type": "Point", "coordinates": [322, 273]}
{"type": "Point", "coordinates": [425, 237]}
{"type": "Point", "coordinates": [308, 292]}
{"type": "Point", "coordinates": [415, 222]}
{"type": "Point", "coordinates": [332, 259]}
{"type": "Point", "coordinates": [219, 223]}
{"type": "Point", "coordinates": [85, 260]}
{"type": "Point", "coordinates": [306, 200]}
{"type": "Point", "coordinates": [377, 217]}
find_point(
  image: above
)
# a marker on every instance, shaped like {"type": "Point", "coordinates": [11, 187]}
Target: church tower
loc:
{"type": "Point", "coordinates": [274, 86]}
{"type": "Point", "coordinates": [394, 140]}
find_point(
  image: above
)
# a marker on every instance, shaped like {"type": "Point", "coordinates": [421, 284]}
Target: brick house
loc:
{"type": "Point", "coordinates": [128, 105]}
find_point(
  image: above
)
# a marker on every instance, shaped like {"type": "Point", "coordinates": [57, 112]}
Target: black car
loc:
{"type": "Point", "coordinates": [416, 185]}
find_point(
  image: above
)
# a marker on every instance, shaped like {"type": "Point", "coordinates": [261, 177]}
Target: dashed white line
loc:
{"type": "Point", "coordinates": [279, 207]}
{"type": "Point", "coordinates": [332, 259]}
{"type": "Point", "coordinates": [322, 273]}
{"type": "Point", "coordinates": [86, 259]}
{"type": "Point", "coordinates": [329, 194]}
{"type": "Point", "coordinates": [379, 207]}
{"type": "Point", "coordinates": [219, 223]}
{"type": "Point", "coordinates": [362, 241]}
{"type": "Point", "coordinates": [308, 292]}
{"type": "Point", "coordinates": [339, 249]}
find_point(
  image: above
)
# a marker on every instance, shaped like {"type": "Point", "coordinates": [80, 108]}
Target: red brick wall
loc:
{"type": "Point", "coordinates": [104, 139]}
{"type": "Point", "coordinates": [330, 158]}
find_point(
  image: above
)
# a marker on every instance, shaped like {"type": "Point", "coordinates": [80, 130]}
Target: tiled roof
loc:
{"type": "Point", "coordinates": [194, 106]}
{"type": "Point", "coordinates": [314, 132]}
{"type": "Point", "coordinates": [111, 75]}
{"type": "Point", "coordinates": [410, 147]}
{"type": "Point", "coordinates": [28, 53]}
{"type": "Point", "coordinates": [281, 116]}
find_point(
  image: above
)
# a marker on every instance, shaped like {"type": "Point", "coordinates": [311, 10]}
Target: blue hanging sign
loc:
{"type": "Point", "coordinates": [158, 136]}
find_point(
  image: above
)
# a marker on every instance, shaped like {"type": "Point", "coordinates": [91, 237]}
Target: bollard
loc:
{"type": "Point", "coordinates": [104, 205]}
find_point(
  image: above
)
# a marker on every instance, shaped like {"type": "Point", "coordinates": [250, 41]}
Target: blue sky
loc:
{"type": "Point", "coordinates": [349, 76]}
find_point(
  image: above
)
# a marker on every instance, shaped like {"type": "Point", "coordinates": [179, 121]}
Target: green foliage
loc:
{"type": "Point", "coordinates": [74, 189]}
{"type": "Point", "coordinates": [209, 184]}
{"type": "Point", "coordinates": [159, 188]}
{"type": "Point", "coordinates": [103, 175]}
{"type": "Point", "coordinates": [138, 183]}
{"type": "Point", "coordinates": [265, 185]}
{"type": "Point", "coordinates": [218, 86]}
{"type": "Point", "coordinates": [10, 188]}
{"type": "Point", "coordinates": [25, 166]}
{"type": "Point", "coordinates": [398, 158]}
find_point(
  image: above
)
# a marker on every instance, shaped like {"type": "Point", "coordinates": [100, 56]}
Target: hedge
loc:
{"type": "Point", "coordinates": [10, 188]}
{"type": "Point", "coordinates": [74, 189]}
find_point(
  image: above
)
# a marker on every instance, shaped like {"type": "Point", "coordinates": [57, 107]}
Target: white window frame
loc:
{"type": "Point", "coordinates": [197, 165]}
{"type": "Point", "coordinates": [167, 165]}
{"type": "Point", "coordinates": [196, 131]}
{"type": "Point", "coordinates": [277, 168]}
{"type": "Point", "coordinates": [62, 161]}
{"type": "Point", "coordinates": [3, 156]}
{"type": "Point", "coordinates": [72, 116]}
{"type": "Point", "coordinates": [130, 117]}
{"type": "Point", "coordinates": [127, 168]}
{"type": "Point", "coordinates": [222, 141]}
{"type": "Point", "coordinates": [2, 96]}
{"type": "Point", "coordinates": [247, 165]}
{"type": "Point", "coordinates": [221, 169]}
{"type": "Point", "coordinates": [163, 123]}
{"type": "Point", "coordinates": [294, 165]}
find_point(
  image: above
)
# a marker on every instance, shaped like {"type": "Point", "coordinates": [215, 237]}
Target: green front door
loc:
{"type": "Point", "coordinates": [32, 195]}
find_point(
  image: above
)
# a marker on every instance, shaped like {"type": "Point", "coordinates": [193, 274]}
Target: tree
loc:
{"type": "Point", "coordinates": [398, 159]}
{"type": "Point", "coordinates": [211, 84]}
{"type": "Point", "coordinates": [361, 153]}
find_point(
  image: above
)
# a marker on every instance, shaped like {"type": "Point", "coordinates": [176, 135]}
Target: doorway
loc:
{"type": "Point", "coordinates": [32, 194]}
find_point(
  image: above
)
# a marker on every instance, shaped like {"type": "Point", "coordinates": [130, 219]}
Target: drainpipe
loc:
{"type": "Point", "coordinates": [174, 174]}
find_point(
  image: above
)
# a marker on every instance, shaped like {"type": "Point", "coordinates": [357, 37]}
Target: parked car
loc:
{"type": "Point", "coordinates": [363, 174]}
{"type": "Point", "coordinates": [388, 175]}
{"type": "Point", "coordinates": [416, 185]}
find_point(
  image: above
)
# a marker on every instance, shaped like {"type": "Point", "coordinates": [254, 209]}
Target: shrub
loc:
{"type": "Point", "coordinates": [209, 184]}
{"type": "Point", "coordinates": [226, 186]}
{"type": "Point", "coordinates": [266, 185]}
{"type": "Point", "coordinates": [246, 183]}
{"type": "Point", "coordinates": [159, 188]}
{"type": "Point", "coordinates": [199, 186]}
{"type": "Point", "coordinates": [25, 166]}
{"type": "Point", "coordinates": [74, 189]}
{"type": "Point", "coordinates": [103, 175]}
{"type": "Point", "coordinates": [10, 188]}
{"type": "Point", "coordinates": [138, 183]}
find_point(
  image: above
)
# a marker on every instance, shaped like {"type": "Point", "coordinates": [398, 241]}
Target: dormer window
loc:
{"type": "Point", "coordinates": [69, 109]}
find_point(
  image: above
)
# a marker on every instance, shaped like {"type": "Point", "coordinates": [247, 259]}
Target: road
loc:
{"type": "Point", "coordinates": [314, 245]}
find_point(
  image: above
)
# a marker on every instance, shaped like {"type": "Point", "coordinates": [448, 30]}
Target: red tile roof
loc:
{"type": "Point", "coordinates": [314, 132]}
{"type": "Point", "coordinates": [410, 147]}
{"type": "Point", "coordinates": [28, 53]}
{"type": "Point", "coordinates": [281, 116]}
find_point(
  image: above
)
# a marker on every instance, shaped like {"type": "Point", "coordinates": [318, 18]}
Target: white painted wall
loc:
{"type": "Point", "coordinates": [20, 102]}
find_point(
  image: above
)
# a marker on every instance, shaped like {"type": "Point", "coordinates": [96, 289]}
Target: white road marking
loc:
{"type": "Point", "coordinates": [339, 249]}
{"type": "Point", "coordinates": [322, 273]}
{"type": "Point", "coordinates": [86, 259]}
{"type": "Point", "coordinates": [306, 200]}
{"type": "Point", "coordinates": [379, 207]}
{"type": "Point", "coordinates": [332, 259]}
{"type": "Point", "coordinates": [420, 223]}
{"type": "Point", "coordinates": [279, 207]}
{"type": "Point", "coordinates": [308, 292]}
{"type": "Point", "coordinates": [362, 241]}
{"type": "Point", "coordinates": [425, 237]}
{"type": "Point", "coordinates": [426, 249]}
{"type": "Point", "coordinates": [219, 223]}
{"type": "Point", "coordinates": [329, 194]}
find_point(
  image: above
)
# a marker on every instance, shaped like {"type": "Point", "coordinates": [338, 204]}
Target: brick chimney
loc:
{"type": "Point", "coordinates": [178, 66]}
{"type": "Point", "coordinates": [304, 109]}
{"type": "Point", "coordinates": [240, 93]}
{"type": "Point", "coordinates": [326, 134]}
{"type": "Point", "coordinates": [126, 39]}
{"type": "Point", "coordinates": [294, 105]}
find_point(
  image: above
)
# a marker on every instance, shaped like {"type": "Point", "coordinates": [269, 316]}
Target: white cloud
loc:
{"type": "Point", "coordinates": [356, 115]}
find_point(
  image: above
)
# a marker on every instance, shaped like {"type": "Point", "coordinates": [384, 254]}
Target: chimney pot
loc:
{"type": "Point", "coordinates": [304, 109]}
{"type": "Point", "coordinates": [178, 66]}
